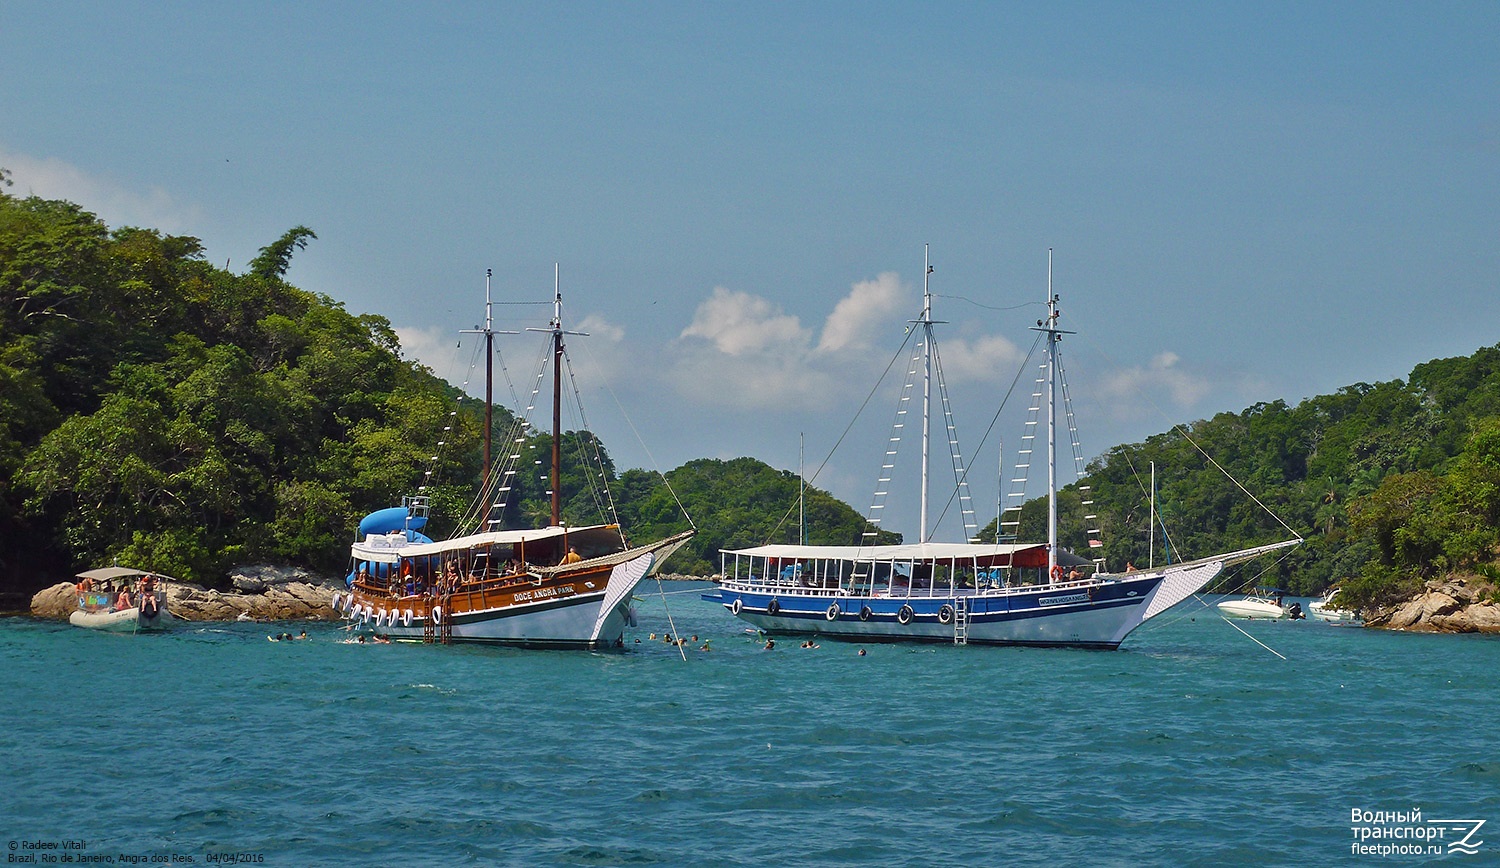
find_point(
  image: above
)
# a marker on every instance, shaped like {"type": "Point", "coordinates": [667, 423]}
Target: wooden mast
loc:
{"type": "Point", "coordinates": [489, 398]}
{"type": "Point", "coordinates": [489, 401]}
{"type": "Point", "coordinates": [557, 352]}
{"type": "Point", "coordinates": [557, 355]}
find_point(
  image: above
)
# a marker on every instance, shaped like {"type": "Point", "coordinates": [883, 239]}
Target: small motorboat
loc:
{"type": "Point", "coordinates": [121, 600]}
{"type": "Point", "coordinates": [1325, 611]}
{"type": "Point", "coordinates": [1260, 605]}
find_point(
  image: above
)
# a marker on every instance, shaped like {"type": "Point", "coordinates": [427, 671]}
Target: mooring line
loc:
{"type": "Point", "coordinates": [1252, 638]}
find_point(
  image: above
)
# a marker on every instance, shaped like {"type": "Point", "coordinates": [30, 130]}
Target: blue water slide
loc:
{"type": "Point", "coordinates": [389, 519]}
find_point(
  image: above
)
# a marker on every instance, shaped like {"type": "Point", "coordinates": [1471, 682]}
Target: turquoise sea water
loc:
{"type": "Point", "coordinates": [1191, 745]}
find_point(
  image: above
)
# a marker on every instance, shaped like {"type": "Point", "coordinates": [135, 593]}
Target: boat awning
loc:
{"type": "Point", "coordinates": [982, 554]}
{"type": "Point", "coordinates": [387, 548]}
{"type": "Point", "coordinates": [104, 574]}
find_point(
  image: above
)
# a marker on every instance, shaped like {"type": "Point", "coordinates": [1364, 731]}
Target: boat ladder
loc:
{"type": "Point", "coordinates": [427, 631]}
{"type": "Point", "coordinates": [961, 621]}
{"type": "Point", "coordinates": [445, 630]}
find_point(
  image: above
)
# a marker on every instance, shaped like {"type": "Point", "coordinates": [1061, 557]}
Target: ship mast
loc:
{"type": "Point", "coordinates": [489, 385]}
{"type": "Point", "coordinates": [926, 323]}
{"type": "Point", "coordinates": [557, 332]}
{"type": "Point", "coordinates": [1054, 335]}
{"type": "Point", "coordinates": [557, 351]}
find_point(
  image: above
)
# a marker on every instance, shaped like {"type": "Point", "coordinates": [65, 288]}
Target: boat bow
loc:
{"type": "Point", "coordinates": [1181, 581]}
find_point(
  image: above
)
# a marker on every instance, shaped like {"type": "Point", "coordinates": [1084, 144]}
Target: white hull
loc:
{"type": "Point", "coordinates": [1341, 617]}
{"type": "Point", "coordinates": [1085, 627]}
{"type": "Point", "coordinates": [590, 620]}
{"type": "Point", "coordinates": [1094, 614]}
{"type": "Point", "coordinates": [1252, 607]}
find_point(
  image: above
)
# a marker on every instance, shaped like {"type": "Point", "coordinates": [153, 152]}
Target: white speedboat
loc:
{"type": "Point", "coordinates": [121, 600]}
{"type": "Point", "coordinates": [1253, 607]}
{"type": "Point", "coordinates": [1325, 611]}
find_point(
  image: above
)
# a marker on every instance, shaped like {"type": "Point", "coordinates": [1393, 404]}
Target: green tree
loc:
{"type": "Point", "coordinates": [275, 258]}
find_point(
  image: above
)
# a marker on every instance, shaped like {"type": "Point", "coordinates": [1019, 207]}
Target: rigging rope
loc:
{"type": "Point", "coordinates": [1189, 438]}
{"type": "Point", "coordinates": [654, 465]}
{"type": "Point", "coordinates": [829, 457]}
{"type": "Point", "coordinates": [995, 419]}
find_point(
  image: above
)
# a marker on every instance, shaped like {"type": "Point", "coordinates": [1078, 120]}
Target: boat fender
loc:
{"type": "Point", "coordinates": [1057, 572]}
{"type": "Point", "coordinates": [833, 612]}
{"type": "Point", "coordinates": [945, 614]}
{"type": "Point", "coordinates": [864, 613]}
{"type": "Point", "coordinates": [406, 618]}
{"type": "Point", "coordinates": [437, 614]}
{"type": "Point", "coordinates": [736, 607]}
{"type": "Point", "coordinates": [773, 607]}
{"type": "Point", "coordinates": [334, 603]}
{"type": "Point", "coordinates": [382, 617]}
{"type": "Point", "coordinates": [905, 615]}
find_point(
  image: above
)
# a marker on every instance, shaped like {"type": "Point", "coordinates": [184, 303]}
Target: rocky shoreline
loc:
{"type": "Point", "coordinates": [261, 593]}
{"type": "Point", "coordinates": [1450, 605]}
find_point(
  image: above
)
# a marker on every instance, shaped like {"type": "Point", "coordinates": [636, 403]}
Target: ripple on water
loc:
{"type": "Point", "coordinates": [1191, 746]}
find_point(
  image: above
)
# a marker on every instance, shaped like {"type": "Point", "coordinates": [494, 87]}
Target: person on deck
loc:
{"type": "Point", "coordinates": [572, 557]}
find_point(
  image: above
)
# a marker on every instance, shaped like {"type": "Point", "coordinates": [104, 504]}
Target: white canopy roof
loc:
{"type": "Point", "coordinates": [388, 547]}
{"type": "Point", "coordinates": [928, 551]}
{"type": "Point", "coordinates": [107, 573]}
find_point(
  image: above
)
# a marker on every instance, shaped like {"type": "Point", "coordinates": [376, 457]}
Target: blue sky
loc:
{"type": "Point", "coordinates": [1247, 202]}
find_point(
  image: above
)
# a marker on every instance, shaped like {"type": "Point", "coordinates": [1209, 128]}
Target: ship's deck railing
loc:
{"type": "Point", "coordinates": [939, 590]}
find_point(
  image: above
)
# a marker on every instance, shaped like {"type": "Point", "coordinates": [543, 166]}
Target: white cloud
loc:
{"type": "Point", "coordinates": [738, 323]}
{"type": "Point", "coordinates": [985, 359]}
{"type": "Point", "coordinates": [764, 381]}
{"type": "Point", "coordinates": [601, 356]}
{"type": "Point", "coordinates": [438, 349]}
{"type": "Point", "coordinates": [743, 351]}
{"type": "Point", "coordinates": [857, 314]}
{"type": "Point", "coordinates": [1161, 374]}
{"type": "Point", "coordinates": [115, 203]}
{"type": "Point", "coordinates": [596, 326]}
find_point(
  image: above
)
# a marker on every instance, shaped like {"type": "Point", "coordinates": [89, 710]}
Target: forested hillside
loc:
{"type": "Point", "coordinates": [1390, 483]}
{"type": "Point", "coordinates": [159, 411]}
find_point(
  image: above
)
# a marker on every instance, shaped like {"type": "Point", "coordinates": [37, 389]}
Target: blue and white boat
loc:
{"type": "Point", "coordinates": [1000, 593]}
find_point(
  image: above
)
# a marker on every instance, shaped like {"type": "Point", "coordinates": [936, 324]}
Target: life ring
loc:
{"type": "Point", "coordinates": [905, 615]}
{"type": "Point", "coordinates": [773, 607]}
{"type": "Point", "coordinates": [945, 614]}
{"type": "Point", "coordinates": [736, 607]}
{"type": "Point", "coordinates": [406, 618]}
{"type": "Point", "coordinates": [864, 613]}
{"type": "Point", "coordinates": [833, 612]}
{"type": "Point", "coordinates": [1057, 572]}
{"type": "Point", "coordinates": [437, 614]}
